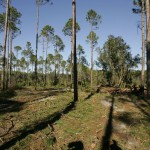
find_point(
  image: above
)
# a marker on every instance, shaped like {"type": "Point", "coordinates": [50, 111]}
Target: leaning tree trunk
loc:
{"type": "Point", "coordinates": [148, 45]}
{"type": "Point", "coordinates": [74, 49]}
{"type": "Point", "coordinates": [143, 46]}
{"type": "Point", "coordinates": [4, 47]}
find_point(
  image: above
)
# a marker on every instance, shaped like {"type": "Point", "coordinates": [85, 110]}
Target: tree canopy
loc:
{"type": "Point", "coordinates": [67, 30]}
{"type": "Point", "coordinates": [117, 61]}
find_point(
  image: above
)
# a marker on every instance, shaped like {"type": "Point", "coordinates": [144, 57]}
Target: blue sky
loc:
{"type": "Point", "coordinates": [117, 19]}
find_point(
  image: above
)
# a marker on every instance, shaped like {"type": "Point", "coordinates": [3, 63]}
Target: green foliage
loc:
{"type": "Point", "coordinates": [92, 38]}
{"type": "Point", "coordinates": [14, 19]}
{"type": "Point", "coordinates": [47, 32]}
{"type": "Point", "coordinates": [2, 22]}
{"type": "Point", "coordinates": [67, 30]}
{"type": "Point", "coordinates": [17, 48]}
{"type": "Point", "coordinates": [80, 51]}
{"type": "Point", "coordinates": [93, 18]}
{"type": "Point", "coordinates": [58, 44]}
{"type": "Point", "coordinates": [14, 16]}
{"type": "Point", "coordinates": [138, 6]}
{"type": "Point", "coordinates": [116, 60]}
{"type": "Point", "coordinates": [28, 51]}
{"type": "Point", "coordinates": [43, 2]}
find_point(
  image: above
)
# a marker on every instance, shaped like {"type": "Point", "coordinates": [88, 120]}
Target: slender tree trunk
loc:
{"type": "Point", "coordinates": [37, 38]}
{"type": "Point", "coordinates": [143, 45]}
{"type": "Point", "coordinates": [148, 45]}
{"type": "Point", "coordinates": [59, 71]}
{"type": "Point", "coordinates": [7, 80]}
{"type": "Point", "coordinates": [4, 47]}
{"type": "Point", "coordinates": [91, 58]}
{"type": "Point", "coordinates": [55, 75]}
{"type": "Point", "coordinates": [10, 61]}
{"type": "Point", "coordinates": [71, 69]}
{"type": "Point", "coordinates": [32, 66]}
{"type": "Point", "coordinates": [17, 69]}
{"type": "Point", "coordinates": [43, 63]}
{"type": "Point", "coordinates": [28, 73]}
{"type": "Point", "coordinates": [79, 69]}
{"type": "Point", "coordinates": [74, 49]}
{"type": "Point", "coordinates": [46, 64]}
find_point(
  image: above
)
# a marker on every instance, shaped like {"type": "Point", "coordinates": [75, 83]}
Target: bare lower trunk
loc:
{"type": "Point", "coordinates": [71, 69]}
{"type": "Point", "coordinates": [74, 49]}
{"type": "Point", "coordinates": [37, 37]}
{"type": "Point", "coordinates": [4, 48]}
{"type": "Point", "coordinates": [91, 65]}
{"type": "Point", "coordinates": [7, 80]}
{"type": "Point", "coordinates": [148, 45]}
{"type": "Point", "coordinates": [91, 58]}
{"type": "Point", "coordinates": [46, 64]}
{"type": "Point", "coordinates": [43, 78]}
{"type": "Point", "coordinates": [10, 61]}
{"type": "Point", "coordinates": [143, 45]}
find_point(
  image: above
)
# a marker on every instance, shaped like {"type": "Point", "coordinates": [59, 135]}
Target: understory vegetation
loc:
{"type": "Point", "coordinates": [49, 119]}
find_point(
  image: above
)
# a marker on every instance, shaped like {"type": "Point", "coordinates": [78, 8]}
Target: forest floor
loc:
{"type": "Point", "coordinates": [48, 119]}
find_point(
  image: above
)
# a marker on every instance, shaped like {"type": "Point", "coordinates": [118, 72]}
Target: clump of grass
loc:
{"type": "Point", "coordinates": [51, 140]}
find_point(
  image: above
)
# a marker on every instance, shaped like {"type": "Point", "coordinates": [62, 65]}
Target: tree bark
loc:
{"type": "Point", "coordinates": [74, 49]}
{"type": "Point", "coordinates": [43, 77]}
{"type": "Point", "coordinates": [7, 76]}
{"type": "Point", "coordinates": [91, 58]}
{"type": "Point", "coordinates": [10, 61]}
{"type": "Point", "coordinates": [148, 45]}
{"type": "Point", "coordinates": [37, 38]}
{"type": "Point", "coordinates": [71, 65]}
{"type": "Point", "coordinates": [46, 63]}
{"type": "Point", "coordinates": [143, 45]}
{"type": "Point", "coordinates": [4, 48]}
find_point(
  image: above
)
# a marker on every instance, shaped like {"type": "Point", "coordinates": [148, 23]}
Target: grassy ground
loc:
{"type": "Point", "coordinates": [49, 119]}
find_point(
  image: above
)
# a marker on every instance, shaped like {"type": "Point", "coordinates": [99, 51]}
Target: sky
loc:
{"type": "Point", "coordinates": [117, 20]}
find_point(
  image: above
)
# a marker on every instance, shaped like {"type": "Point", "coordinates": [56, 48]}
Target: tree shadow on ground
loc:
{"type": "Point", "coordinates": [89, 96]}
{"type": "Point", "coordinates": [7, 94]}
{"type": "Point", "coordinates": [77, 145]}
{"type": "Point", "coordinates": [114, 145]}
{"type": "Point", "coordinates": [129, 118]}
{"type": "Point", "coordinates": [37, 96]}
{"type": "Point", "coordinates": [141, 104]}
{"type": "Point", "coordinates": [37, 126]}
{"type": "Point", "coordinates": [106, 139]}
{"type": "Point", "coordinates": [146, 101]}
{"type": "Point", "coordinates": [108, 129]}
{"type": "Point", "coordinates": [97, 90]}
{"type": "Point", "coordinates": [142, 109]}
{"type": "Point", "coordinates": [7, 106]}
